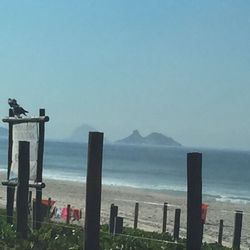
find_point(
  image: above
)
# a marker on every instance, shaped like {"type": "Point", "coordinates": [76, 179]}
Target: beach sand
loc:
{"type": "Point", "coordinates": [150, 208]}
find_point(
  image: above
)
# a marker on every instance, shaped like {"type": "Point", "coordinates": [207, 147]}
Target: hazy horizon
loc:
{"type": "Point", "coordinates": [181, 68]}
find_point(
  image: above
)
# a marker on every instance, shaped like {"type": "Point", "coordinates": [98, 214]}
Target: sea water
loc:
{"type": "Point", "coordinates": [226, 173]}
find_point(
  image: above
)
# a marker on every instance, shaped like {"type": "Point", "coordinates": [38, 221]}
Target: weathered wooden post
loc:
{"type": "Point", "coordinates": [10, 189]}
{"type": "Point", "coordinates": [68, 214]}
{"type": "Point", "coordinates": [118, 225]}
{"type": "Point", "coordinates": [113, 214]}
{"type": "Point", "coordinates": [48, 208]}
{"type": "Point", "coordinates": [30, 201]}
{"type": "Point", "coordinates": [23, 188]}
{"type": "Point", "coordinates": [164, 222]}
{"type": "Point", "coordinates": [237, 230]}
{"type": "Point", "coordinates": [136, 215]}
{"type": "Point", "coordinates": [194, 201]}
{"type": "Point", "coordinates": [220, 233]}
{"type": "Point", "coordinates": [177, 223]}
{"type": "Point", "coordinates": [30, 197]}
{"type": "Point", "coordinates": [93, 191]}
{"type": "Point", "coordinates": [37, 216]}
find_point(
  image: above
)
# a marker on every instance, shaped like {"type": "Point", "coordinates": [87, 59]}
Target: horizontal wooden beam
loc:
{"type": "Point", "coordinates": [25, 119]}
{"type": "Point", "coordinates": [31, 184]}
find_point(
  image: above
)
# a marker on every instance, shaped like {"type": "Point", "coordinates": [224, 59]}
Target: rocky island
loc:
{"type": "Point", "coordinates": [152, 139]}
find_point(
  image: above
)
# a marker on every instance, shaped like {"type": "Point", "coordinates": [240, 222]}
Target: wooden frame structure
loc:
{"type": "Point", "coordinates": [38, 184]}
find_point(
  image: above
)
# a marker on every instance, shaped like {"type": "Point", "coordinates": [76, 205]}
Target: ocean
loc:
{"type": "Point", "coordinates": [225, 173]}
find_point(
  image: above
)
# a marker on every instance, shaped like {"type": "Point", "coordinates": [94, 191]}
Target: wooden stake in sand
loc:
{"type": "Point", "coordinates": [237, 230]}
{"type": "Point", "coordinates": [93, 191]}
{"type": "Point", "coordinates": [113, 214]}
{"type": "Point", "coordinates": [23, 189]}
{"type": "Point", "coordinates": [220, 233]}
{"type": "Point", "coordinates": [38, 204]}
{"type": "Point", "coordinates": [118, 225]}
{"type": "Point", "coordinates": [194, 201]}
{"type": "Point", "coordinates": [136, 215]}
{"type": "Point", "coordinates": [164, 222]}
{"type": "Point", "coordinates": [68, 214]}
{"type": "Point", "coordinates": [177, 223]}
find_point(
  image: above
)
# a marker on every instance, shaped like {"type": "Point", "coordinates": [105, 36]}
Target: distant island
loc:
{"type": "Point", "coordinates": [152, 139]}
{"type": "Point", "coordinates": [81, 133]}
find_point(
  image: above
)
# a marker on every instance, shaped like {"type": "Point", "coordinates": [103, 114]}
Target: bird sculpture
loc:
{"type": "Point", "coordinates": [17, 109]}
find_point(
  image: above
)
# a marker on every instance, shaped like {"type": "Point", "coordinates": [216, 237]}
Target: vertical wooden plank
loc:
{"type": "Point", "coordinates": [194, 201]}
{"type": "Point", "coordinates": [29, 201]}
{"type": "Point", "coordinates": [10, 143]}
{"type": "Point", "coordinates": [220, 233]}
{"type": "Point", "coordinates": [23, 188]}
{"type": "Point", "coordinates": [37, 216]}
{"type": "Point", "coordinates": [113, 214]}
{"type": "Point", "coordinates": [49, 207]}
{"type": "Point", "coordinates": [164, 221]}
{"type": "Point", "coordinates": [93, 191]}
{"type": "Point", "coordinates": [237, 230]}
{"type": "Point", "coordinates": [118, 225]}
{"type": "Point", "coordinates": [10, 190]}
{"type": "Point", "coordinates": [177, 223]}
{"type": "Point", "coordinates": [136, 215]}
{"type": "Point", "coordinates": [30, 197]}
{"type": "Point", "coordinates": [10, 204]}
{"type": "Point", "coordinates": [68, 214]}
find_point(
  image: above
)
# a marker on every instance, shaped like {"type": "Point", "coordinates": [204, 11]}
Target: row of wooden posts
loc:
{"type": "Point", "coordinates": [116, 223]}
{"type": "Point", "coordinates": [93, 199]}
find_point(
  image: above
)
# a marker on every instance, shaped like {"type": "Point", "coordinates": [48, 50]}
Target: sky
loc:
{"type": "Point", "coordinates": [181, 68]}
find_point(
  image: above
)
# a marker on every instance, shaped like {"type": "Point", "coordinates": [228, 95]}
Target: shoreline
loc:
{"type": "Point", "coordinates": [179, 192]}
{"type": "Point", "coordinates": [150, 208]}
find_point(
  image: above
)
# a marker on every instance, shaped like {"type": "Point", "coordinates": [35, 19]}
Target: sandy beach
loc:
{"type": "Point", "coordinates": [150, 208]}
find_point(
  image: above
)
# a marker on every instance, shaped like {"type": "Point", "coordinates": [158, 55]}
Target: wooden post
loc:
{"type": "Point", "coordinates": [177, 223]}
{"type": "Point", "coordinates": [136, 215]}
{"type": "Point", "coordinates": [220, 233]}
{"type": "Point", "coordinates": [237, 230]}
{"type": "Point", "coordinates": [37, 216]}
{"type": "Point", "coordinates": [164, 222]}
{"type": "Point", "coordinates": [118, 225]}
{"type": "Point", "coordinates": [113, 214]}
{"type": "Point", "coordinates": [93, 191]}
{"type": "Point", "coordinates": [29, 201]}
{"type": "Point", "coordinates": [194, 201]}
{"type": "Point", "coordinates": [48, 208]}
{"type": "Point", "coordinates": [30, 197]}
{"type": "Point", "coordinates": [10, 190]}
{"type": "Point", "coordinates": [23, 188]}
{"type": "Point", "coordinates": [68, 214]}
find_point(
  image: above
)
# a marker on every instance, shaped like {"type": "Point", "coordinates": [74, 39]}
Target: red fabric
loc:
{"type": "Point", "coordinates": [64, 213]}
{"type": "Point", "coordinates": [204, 208]}
{"type": "Point", "coordinates": [76, 214]}
{"type": "Point", "coordinates": [46, 202]}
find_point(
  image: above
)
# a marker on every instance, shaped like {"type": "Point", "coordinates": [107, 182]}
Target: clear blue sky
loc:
{"type": "Point", "coordinates": [177, 67]}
